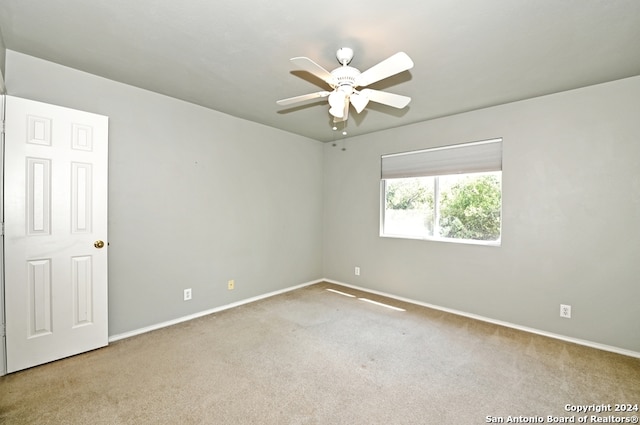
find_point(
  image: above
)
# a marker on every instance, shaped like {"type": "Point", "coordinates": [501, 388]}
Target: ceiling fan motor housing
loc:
{"type": "Point", "coordinates": [345, 76]}
{"type": "Point", "coordinates": [344, 55]}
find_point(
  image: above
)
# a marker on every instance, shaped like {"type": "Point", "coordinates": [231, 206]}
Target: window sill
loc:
{"type": "Point", "coordinates": [497, 243]}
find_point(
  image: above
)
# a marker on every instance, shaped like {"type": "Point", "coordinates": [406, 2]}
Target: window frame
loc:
{"type": "Point", "coordinates": [436, 194]}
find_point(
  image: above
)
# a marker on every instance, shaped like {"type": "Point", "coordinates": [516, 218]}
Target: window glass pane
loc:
{"type": "Point", "coordinates": [409, 207]}
{"type": "Point", "coordinates": [470, 206]}
{"type": "Point", "coordinates": [454, 207]}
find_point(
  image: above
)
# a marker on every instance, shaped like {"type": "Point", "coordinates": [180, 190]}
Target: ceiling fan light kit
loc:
{"type": "Point", "coordinates": [345, 80]}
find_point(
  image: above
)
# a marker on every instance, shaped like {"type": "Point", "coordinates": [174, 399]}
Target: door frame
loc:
{"type": "Point", "coordinates": [3, 327]}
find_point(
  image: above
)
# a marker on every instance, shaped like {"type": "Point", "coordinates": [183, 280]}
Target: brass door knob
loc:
{"type": "Point", "coordinates": [98, 244]}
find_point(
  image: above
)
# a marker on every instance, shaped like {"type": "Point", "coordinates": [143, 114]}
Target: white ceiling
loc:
{"type": "Point", "coordinates": [233, 56]}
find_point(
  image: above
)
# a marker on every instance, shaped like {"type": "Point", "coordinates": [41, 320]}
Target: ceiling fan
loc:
{"type": "Point", "coordinates": [347, 80]}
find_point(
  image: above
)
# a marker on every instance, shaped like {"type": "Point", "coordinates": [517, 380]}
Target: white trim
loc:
{"type": "Point", "coordinates": [3, 326]}
{"type": "Point", "coordinates": [578, 341]}
{"type": "Point", "coordinates": [157, 326]}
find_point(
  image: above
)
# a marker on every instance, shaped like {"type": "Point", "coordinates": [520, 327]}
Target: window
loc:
{"type": "Point", "coordinates": [450, 193]}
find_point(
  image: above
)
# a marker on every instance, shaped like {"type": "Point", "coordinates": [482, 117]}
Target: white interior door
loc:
{"type": "Point", "coordinates": [55, 203]}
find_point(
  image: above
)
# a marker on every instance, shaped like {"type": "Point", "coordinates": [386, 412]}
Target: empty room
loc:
{"type": "Point", "coordinates": [421, 212]}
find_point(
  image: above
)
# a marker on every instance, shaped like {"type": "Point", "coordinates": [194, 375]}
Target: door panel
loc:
{"type": "Point", "coordinates": [55, 209]}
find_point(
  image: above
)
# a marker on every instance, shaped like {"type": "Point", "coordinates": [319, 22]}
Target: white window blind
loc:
{"type": "Point", "coordinates": [476, 157]}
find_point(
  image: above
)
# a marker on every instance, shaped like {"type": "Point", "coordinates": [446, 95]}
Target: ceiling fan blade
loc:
{"type": "Point", "coordinates": [390, 99]}
{"type": "Point", "coordinates": [359, 101]}
{"type": "Point", "coordinates": [310, 66]}
{"type": "Point", "coordinates": [296, 99]}
{"type": "Point", "coordinates": [391, 66]}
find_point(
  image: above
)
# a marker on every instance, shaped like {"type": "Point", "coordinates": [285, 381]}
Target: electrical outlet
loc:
{"type": "Point", "coordinates": [231, 285]}
{"type": "Point", "coordinates": [357, 271]}
{"type": "Point", "coordinates": [565, 311]}
{"type": "Point", "coordinates": [187, 294]}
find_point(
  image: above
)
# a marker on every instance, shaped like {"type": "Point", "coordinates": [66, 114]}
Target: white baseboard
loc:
{"type": "Point", "coordinates": [578, 341]}
{"type": "Point", "coordinates": [146, 329]}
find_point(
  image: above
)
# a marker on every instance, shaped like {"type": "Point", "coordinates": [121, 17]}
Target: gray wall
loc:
{"type": "Point", "coordinates": [571, 217]}
{"type": "Point", "coordinates": [196, 197]}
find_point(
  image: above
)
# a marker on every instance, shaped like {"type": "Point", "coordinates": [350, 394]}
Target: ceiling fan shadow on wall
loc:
{"type": "Point", "coordinates": [347, 83]}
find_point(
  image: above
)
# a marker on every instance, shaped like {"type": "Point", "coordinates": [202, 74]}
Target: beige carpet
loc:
{"type": "Point", "coordinates": [312, 356]}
